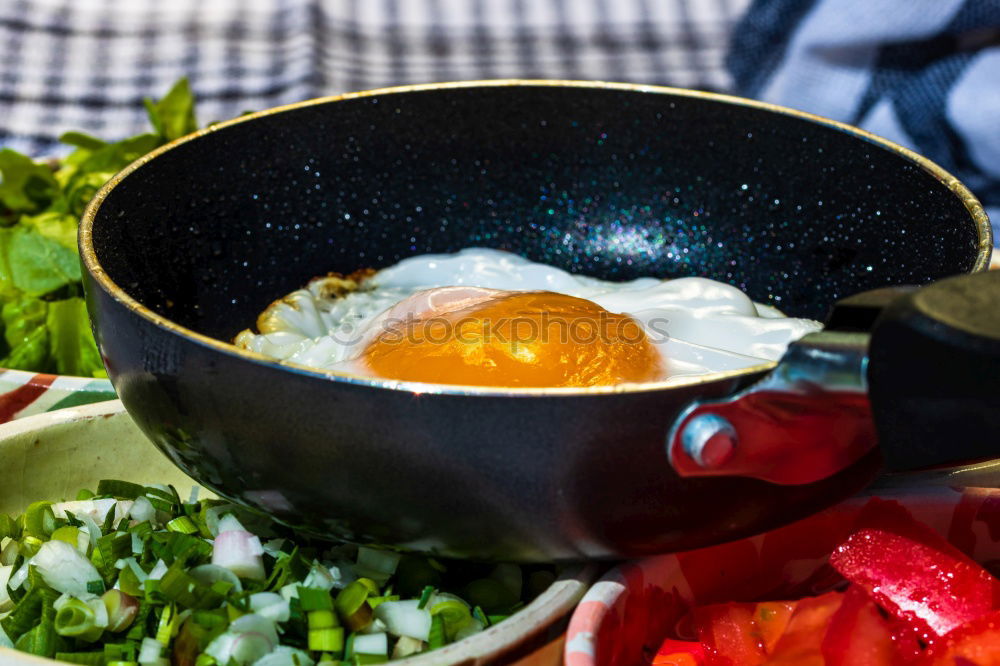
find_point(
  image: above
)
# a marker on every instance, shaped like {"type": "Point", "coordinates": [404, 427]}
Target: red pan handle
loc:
{"type": "Point", "coordinates": [924, 386]}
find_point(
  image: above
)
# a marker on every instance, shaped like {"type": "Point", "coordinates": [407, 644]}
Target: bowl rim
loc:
{"type": "Point", "coordinates": [553, 605]}
{"type": "Point", "coordinates": [93, 267]}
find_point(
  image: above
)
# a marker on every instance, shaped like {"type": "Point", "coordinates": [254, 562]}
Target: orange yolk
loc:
{"type": "Point", "coordinates": [525, 339]}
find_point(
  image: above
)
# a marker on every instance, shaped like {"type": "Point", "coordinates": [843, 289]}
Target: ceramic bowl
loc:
{"type": "Point", "coordinates": [624, 617]}
{"type": "Point", "coordinates": [28, 393]}
{"type": "Point", "coordinates": [51, 456]}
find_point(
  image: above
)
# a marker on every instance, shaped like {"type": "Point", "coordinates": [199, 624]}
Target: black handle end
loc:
{"type": "Point", "coordinates": [934, 374]}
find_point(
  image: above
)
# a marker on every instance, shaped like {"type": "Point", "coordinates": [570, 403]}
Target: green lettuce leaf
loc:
{"type": "Point", "coordinates": [35, 264]}
{"type": "Point", "coordinates": [25, 334]}
{"type": "Point", "coordinates": [25, 185]}
{"type": "Point", "coordinates": [173, 116]}
{"type": "Point", "coordinates": [71, 342]}
{"type": "Point", "coordinates": [60, 227]}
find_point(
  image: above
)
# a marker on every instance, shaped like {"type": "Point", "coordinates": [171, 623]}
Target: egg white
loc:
{"type": "Point", "coordinates": [698, 325]}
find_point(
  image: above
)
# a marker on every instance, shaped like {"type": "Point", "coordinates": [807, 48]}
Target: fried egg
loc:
{"type": "Point", "coordinates": [485, 317]}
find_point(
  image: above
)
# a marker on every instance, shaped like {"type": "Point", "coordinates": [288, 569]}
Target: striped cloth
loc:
{"type": "Point", "coordinates": [923, 73]}
{"type": "Point", "coordinates": [87, 64]}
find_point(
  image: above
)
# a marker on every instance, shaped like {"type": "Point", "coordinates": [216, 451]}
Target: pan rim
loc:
{"type": "Point", "coordinates": [96, 272]}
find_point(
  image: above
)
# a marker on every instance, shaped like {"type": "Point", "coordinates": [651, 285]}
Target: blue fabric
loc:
{"type": "Point", "coordinates": [923, 73]}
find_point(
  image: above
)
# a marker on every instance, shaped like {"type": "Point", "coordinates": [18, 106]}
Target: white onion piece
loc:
{"type": "Point", "coordinates": [242, 648]}
{"type": "Point", "coordinates": [18, 577]}
{"type": "Point", "coordinates": [270, 605]}
{"type": "Point", "coordinates": [150, 651]}
{"type": "Point", "coordinates": [156, 573]}
{"type": "Point", "coordinates": [284, 655]}
{"type": "Point", "coordinates": [229, 522]}
{"type": "Point", "coordinates": [240, 552]}
{"type": "Point", "coordinates": [64, 568]}
{"type": "Point", "coordinates": [142, 510]}
{"type": "Point", "coordinates": [322, 577]}
{"type": "Point", "coordinates": [257, 624]}
{"type": "Point", "coordinates": [403, 618]}
{"type": "Point", "coordinates": [95, 509]}
{"type": "Point", "coordinates": [377, 644]}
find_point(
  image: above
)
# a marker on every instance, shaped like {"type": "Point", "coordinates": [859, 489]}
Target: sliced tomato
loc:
{"type": "Point", "coordinates": [770, 619]}
{"type": "Point", "coordinates": [858, 635]}
{"type": "Point", "coordinates": [800, 643]}
{"type": "Point", "coordinates": [976, 643]}
{"type": "Point", "coordinates": [673, 652]}
{"type": "Point", "coordinates": [728, 633]}
{"type": "Point", "coordinates": [917, 576]}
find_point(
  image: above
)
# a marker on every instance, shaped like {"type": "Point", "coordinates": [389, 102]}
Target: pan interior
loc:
{"type": "Point", "coordinates": [607, 182]}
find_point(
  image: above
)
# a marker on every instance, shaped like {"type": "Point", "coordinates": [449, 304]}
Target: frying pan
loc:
{"type": "Point", "coordinates": [185, 247]}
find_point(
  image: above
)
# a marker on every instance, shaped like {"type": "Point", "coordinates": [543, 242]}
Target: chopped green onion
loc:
{"type": "Point", "coordinates": [322, 619]}
{"type": "Point", "coordinates": [425, 596]}
{"type": "Point", "coordinates": [30, 546]}
{"type": "Point", "coordinates": [165, 597]}
{"type": "Point", "coordinates": [129, 581]}
{"type": "Point", "coordinates": [181, 587]}
{"type": "Point", "coordinates": [330, 639]}
{"type": "Point", "coordinates": [165, 500]}
{"type": "Point", "coordinates": [39, 520]}
{"type": "Point", "coordinates": [453, 613]}
{"type": "Point", "coordinates": [38, 641]}
{"type": "Point", "coordinates": [370, 584]}
{"type": "Point", "coordinates": [436, 636]}
{"type": "Point", "coordinates": [375, 601]}
{"type": "Point", "coordinates": [9, 527]}
{"type": "Point", "coordinates": [77, 618]}
{"type": "Point", "coordinates": [88, 658]}
{"type": "Point", "coordinates": [25, 614]}
{"type": "Point", "coordinates": [313, 599]}
{"type": "Point", "coordinates": [69, 534]}
{"type": "Point", "coordinates": [352, 606]}
{"type": "Point", "coordinates": [167, 626]}
{"type": "Point", "coordinates": [182, 524]}
{"type": "Point", "coordinates": [119, 489]}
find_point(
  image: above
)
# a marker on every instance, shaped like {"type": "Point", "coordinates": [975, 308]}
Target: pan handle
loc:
{"type": "Point", "coordinates": [806, 420]}
{"type": "Point", "coordinates": [924, 385]}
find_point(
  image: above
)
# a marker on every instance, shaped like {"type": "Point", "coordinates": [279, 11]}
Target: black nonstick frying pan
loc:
{"type": "Point", "coordinates": [184, 248]}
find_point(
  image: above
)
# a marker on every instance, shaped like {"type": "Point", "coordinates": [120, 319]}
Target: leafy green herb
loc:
{"type": "Point", "coordinates": [44, 320]}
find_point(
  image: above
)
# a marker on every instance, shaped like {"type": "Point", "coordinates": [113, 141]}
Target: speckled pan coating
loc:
{"type": "Point", "coordinates": [188, 246]}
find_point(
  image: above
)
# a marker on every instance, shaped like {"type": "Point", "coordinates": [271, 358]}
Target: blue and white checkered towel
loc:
{"type": "Point", "coordinates": [923, 73]}
{"type": "Point", "coordinates": [87, 64]}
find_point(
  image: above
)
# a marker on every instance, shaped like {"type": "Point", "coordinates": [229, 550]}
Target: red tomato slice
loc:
{"type": "Point", "coordinates": [727, 631]}
{"type": "Point", "coordinates": [800, 643]}
{"type": "Point", "coordinates": [770, 619]}
{"type": "Point", "coordinates": [673, 652]}
{"type": "Point", "coordinates": [917, 577]}
{"type": "Point", "coordinates": [974, 644]}
{"type": "Point", "coordinates": [858, 635]}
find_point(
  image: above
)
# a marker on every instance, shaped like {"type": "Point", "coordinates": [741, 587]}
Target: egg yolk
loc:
{"type": "Point", "coordinates": [523, 339]}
